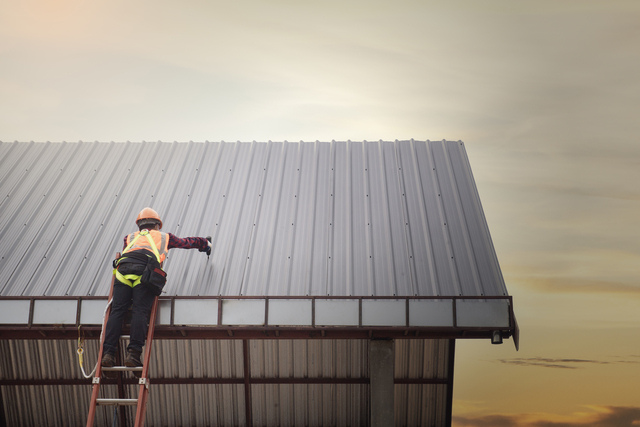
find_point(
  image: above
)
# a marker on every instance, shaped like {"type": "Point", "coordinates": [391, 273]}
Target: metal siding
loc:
{"type": "Point", "coordinates": [223, 404]}
{"type": "Point", "coordinates": [422, 359]}
{"type": "Point", "coordinates": [57, 406]}
{"type": "Point", "coordinates": [311, 405]}
{"type": "Point", "coordinates": [421, 404]}
{"type": "Point", "coordinates": [309, 358]}
{"type": "Point", "coordinates": [196, 405]}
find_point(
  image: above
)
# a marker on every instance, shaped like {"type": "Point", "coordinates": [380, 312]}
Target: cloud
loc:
{"type": "Point", "coordinates": [551, 363]}
{"type": "Point", "coordinates": [486, 421]}
{"type": "Point", "coordinates": [600, 416]}
{"type": "Point", "coordinates": [580, 285]}
{"type": "Point", "coordinates": [566, 363]}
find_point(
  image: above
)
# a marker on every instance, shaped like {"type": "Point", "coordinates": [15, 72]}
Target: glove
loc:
{"type": "Point", "coordinates": [206, 249]}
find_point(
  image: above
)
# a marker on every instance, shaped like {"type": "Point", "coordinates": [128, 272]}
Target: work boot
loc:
{"type": "Point", "coordinates": [133, 361]}
{"type": "Point", "coordinates": [108, 361]}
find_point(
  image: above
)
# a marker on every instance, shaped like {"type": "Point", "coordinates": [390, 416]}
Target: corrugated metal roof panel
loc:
{"type": "Point", "coordinates": [340, 218]}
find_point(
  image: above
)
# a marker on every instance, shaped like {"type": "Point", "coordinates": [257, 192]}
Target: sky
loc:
{"type": "Point", "coordinates": [545, 95]}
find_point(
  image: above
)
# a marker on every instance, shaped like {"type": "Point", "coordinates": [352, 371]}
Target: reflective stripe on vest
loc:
{"type": "Point", "coordinates": [156, 242]}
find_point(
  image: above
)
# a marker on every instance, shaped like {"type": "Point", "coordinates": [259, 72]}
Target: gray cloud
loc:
{"type": "Point", "coordinates": [543, 362]}
{"type": "Point", "coordinates": [568, 363]}
{"type": "Point", "coordinates": [486, 421]}
{"type": "Point", "coordinates": [609, 416]}
{"type": "Point", "coordinates": [564, 285]}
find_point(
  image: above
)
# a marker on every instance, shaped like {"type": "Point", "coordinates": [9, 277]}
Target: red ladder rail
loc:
{"type": "Point", "coordinates": [98, 375]}
{"type": "Point", "coordinates": [143, 394]}
{"type": "Point", "coordinates": [141, 401]}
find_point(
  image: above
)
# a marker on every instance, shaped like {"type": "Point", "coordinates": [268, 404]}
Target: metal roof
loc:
{"type": "Point", "coordinates": [309, 218]}
{"type": "Point", "coordinates": [361, 226]}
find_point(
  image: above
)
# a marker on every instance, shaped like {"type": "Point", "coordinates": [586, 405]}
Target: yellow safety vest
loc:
{"type": "Point", "coordinates": [153, 239]}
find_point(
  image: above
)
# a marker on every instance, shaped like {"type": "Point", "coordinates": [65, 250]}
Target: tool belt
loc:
{"type": "Point", "coordinates": [140, 266]}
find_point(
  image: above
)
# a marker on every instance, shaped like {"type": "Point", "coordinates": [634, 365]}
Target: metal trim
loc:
{"type": "Point", "coordinates": [266, 331]}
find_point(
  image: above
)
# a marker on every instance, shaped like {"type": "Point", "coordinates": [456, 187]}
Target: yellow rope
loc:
{"type": "Point", "coordinates": [80, 349]}
{"type": "Point", "coordinates": [80, 352]}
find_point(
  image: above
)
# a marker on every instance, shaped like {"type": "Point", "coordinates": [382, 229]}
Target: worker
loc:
{"type": "Point", "coordinates": [149, 241]}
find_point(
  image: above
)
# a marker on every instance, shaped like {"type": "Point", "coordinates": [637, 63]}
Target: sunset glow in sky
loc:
{"type": "Point", "coordinates": [545, 94]}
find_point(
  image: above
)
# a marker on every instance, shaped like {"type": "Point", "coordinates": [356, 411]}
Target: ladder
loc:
{"type": "Point", "coordinates": [143, 381]}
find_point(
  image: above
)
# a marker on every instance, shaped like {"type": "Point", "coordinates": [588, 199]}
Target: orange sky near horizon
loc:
{"type": "Point", "coordinates": [544, 94]}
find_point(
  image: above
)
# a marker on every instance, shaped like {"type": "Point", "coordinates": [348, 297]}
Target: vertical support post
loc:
{"type": "Point", "coordinates": [381, 388]}
{"type": "Point", "coordinates": [247, 383]}
{"type": "Point", "coordinates": [451, 362]}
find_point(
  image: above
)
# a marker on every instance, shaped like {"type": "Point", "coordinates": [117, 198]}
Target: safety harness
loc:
{"type": "Point", "coordinates": [134, 279]}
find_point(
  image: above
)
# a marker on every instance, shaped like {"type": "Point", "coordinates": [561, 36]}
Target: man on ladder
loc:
{"type": "Point", "coordinates": [148, 246]}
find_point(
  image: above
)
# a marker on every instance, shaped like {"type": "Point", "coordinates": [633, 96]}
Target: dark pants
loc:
{"type": "Point", "coordinates": [141, 301]}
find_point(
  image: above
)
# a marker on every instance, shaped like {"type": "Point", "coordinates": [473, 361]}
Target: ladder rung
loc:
{"type": "Point", "coordinates": [122, 368]}
{"type": "Point", "coordinates": [117, 402]}
{"type": "Point", "coordinates": [125, 337]}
